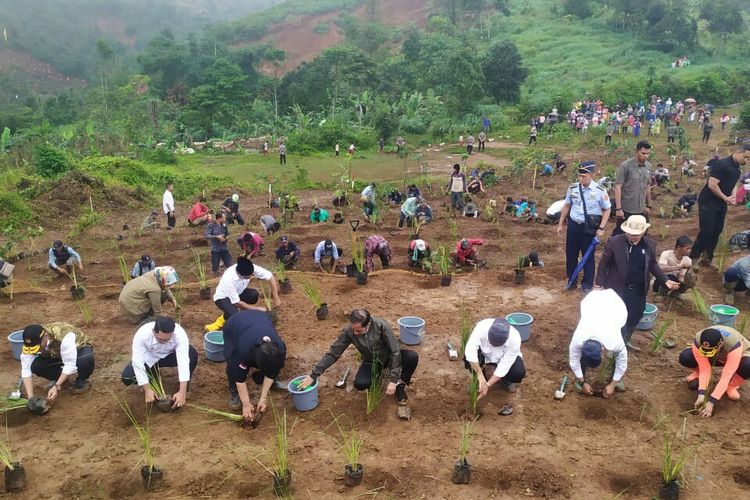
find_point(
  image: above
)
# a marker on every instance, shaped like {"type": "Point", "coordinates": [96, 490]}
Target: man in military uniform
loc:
{"type": "Point", "coordinates": [587, 207]}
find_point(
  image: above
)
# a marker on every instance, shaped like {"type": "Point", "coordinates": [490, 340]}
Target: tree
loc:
{"type": "Point", "coordinates": [724, 17]}
{"type": "Point", "coordinates": [578, 8]}
{"type": "Point", "coordinates": [218, 99]}
{"type": "Point", "coordinates": [504, 71]}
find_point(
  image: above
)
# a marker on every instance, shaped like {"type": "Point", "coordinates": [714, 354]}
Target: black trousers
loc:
{"type": "Point", "coordinates": [171, 220]}
{"type": "Point", "coordinates": [469, 148]}
{"type": "Point", "coordinates": [218, 257]}
{"type": "Point", "coordinates": [687, 359]}
{"type": "Point", "coordinates": [532, 139]}
{"type": "Point", "coordinates": [576, 244]}
{"type": "Point", "coordinates": [710, 226]}
{"type": "Point", "coordinates": [619, 221]}
{"type": "Point", "coordinates": [51, 368]}
{"type": "Point", "coordinates": [409, 361]}
{"type": "Point", "coordinates": [257, 377]}
{"type": "Point", "coordinates": [282, 159]}
{"type": "Point", "coordinates": [128, 374]}
{"type": "Point", "coordinates": [248, 296]}
{"type": "Point", "coordinates": [481, 145]}
{"type": "Point", "coordinates": [231, 218]}
{"type": "Point", "coordinates": [515, 375]}
{"type": "Point", "coordinates": [634, 297]}
{"type": "Point", "coordinates": [607, 139]}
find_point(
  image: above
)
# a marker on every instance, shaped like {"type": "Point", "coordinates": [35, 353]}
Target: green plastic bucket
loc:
{"type": "Point", "coordinates": [649, 317]}
{"type": "Point", "coordinates": [305, 399]}
{"type": "Point", "coordinates": [522, 322]}
{"type": "Point", "coordinates": [722, 314]}
{"type": "Point", "coordinates": [213, 344]}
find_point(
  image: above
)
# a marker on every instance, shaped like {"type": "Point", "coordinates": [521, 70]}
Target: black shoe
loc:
{"type": "Point", "coordinates": [234, 402]}
{"type": "Point", "coordinates": [572, 286]}
{"type": "Point", "coordinates": [80, 386]}
{"type": "Point", "coordinates": [401, 397]}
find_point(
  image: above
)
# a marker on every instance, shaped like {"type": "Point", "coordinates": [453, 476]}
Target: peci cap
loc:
{"type": "Point", "coordinates": [499, 331]}
{"type": "Point", "coordinates": [32, 339]}
{"type": "Point", "coordinates": [245, 267]}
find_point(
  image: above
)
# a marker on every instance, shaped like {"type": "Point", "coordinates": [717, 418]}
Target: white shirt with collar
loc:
{"type": "Point", "coordinates": [167, 202]}
{"type": "Point", "coordinates": [231, 284]}
{"type": "Point", "coordinates": [148, 351]}
{"type": "Point", "coordinates": [68, 354]}
{"type": "Point", "coordinates": [603, 314]}
{"type": "Point", "coordinates": [503, 356]}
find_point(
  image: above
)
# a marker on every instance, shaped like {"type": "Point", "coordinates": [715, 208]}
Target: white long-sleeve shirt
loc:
{"type": "Point", "coordinates": [68, 353]}
{"type": "Point", "coordinates": [504, 356]}
{"type": "Point", "coordinates": [231, 284]}
{"type": "Point", "coordinates": [148, 351]}
{"type": "Point", "coordinates": [603, 313]}
{"type": "Point", "coordinates": [167, 202]}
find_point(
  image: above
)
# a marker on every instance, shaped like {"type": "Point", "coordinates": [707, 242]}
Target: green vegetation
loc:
{"type": "Point", "coordinates": [376, 392]}
{"type": "Point", "coordinates": [351, 443]}
{"type": "Point", "coordinates": [6, 457]}
{"type": "Point", "coordinates": [143, 431]}
{"type": "Point", "coordinates": [672, 465]}
{"type": "Point", "coordinates": [467, 433]}
{"type": "Point", "coordinates": [658, 340]}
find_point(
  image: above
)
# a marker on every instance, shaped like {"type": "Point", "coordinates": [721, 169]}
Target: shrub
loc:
{"type": "Point", "coordinates": [50, 161]}
{"type": "Point", "coordinates": [86, 221]}
{"type": "Point", "coordinates": [159, 155]}
{"type": "Point", "coordinates": [15, 212]}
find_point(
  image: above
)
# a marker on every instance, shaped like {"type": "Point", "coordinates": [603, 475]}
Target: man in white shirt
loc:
{"type": "Point", "coordinates": [156, 345]}
{"type": "Point", "coordinates": [232, 294]}
{"type": "Point", "coordinates": [677, 264]}
{"type": "Point", "coordinates": [167, 204]}
{"type": "Point", "coordinates": [327, 248]}
{"type": "Point", "coordinates": [56, 351]}
{"type": "Point", "coordinates": [496, 344]}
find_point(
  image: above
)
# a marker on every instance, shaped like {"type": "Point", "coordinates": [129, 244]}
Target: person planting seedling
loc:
{"type": "Point", "coordinates": [287, 253]}
{"type": "Point", "coordinates": [374, 340]}
{"type": "Point", "coordinates": [156, 345]}
{"type": "Point", "coordinates": [722, 346]}
{"type": "Point", "coordinates": [144, 265]}
{"type": "Point", "coordinates": [419, 254]}
{"type": "Point", "coordinates": [496, 345]}
{"type": "Point", "coordinates": [62, 258]}
{"type": "Point", "coordinates": [466, 253]}
{"type": "Point", "coordinates": [56, 351]}
{"type": "Point", "coordinates": [142, 298]}
{"type": "Point", "coordinates": [251, 342]}
{"type": "Point", "coordinates": [328, 248]}
{"type": "Point", "coordinates": [377, 245]}
{"type": "Point", "coordinates": [603, 314]}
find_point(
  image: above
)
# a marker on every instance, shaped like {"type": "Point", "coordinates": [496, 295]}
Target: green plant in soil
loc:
{"type": "Point", "coordinates": [358, 253]}
{"type": "Point", "coordinates": [143, 431]}
{"type": "Point", "coordinates": [672, 465]}
{"type": "Point", "coordinates": [657, 342]}
{"type": "Point", "coordinates": [280, 271]}
{"type": "Point", "coordinates": [7, 403]}
{"type": "Point", "coordinates": [465, 328]}
{"type": "Point", "coordinates": [473, 393]}
{"type": "Point", "coordinates": [311, 293]}
{"type": "Point", "coordinates": [74, 279]}
{"type": "Point", "coordinates": [351, 443]}
{"type": "Point", "coordinates": [375, 393]}
{"type": "Point", "coordinates": [453, 228]}
{"type": "Point", "coordinates": [607, 370]}
{"type": "Point", "coordinates": [699, 303]}
{"type": "Point", "coordinates": [179, 297]}
{"type": "Point", "coordinates": [200, 269]}
{"type": "Point", "coordinates": [6, 456]}
{"type": "Point", "coordinates": [223, 414]}
{"type": "Point", "coordinates": [155, 382]}
{"type": "Point", "coordinates": [124, 271]}
{"type": "Point", "coordinates": [467, 433]}
{"type": "Point", "coordinates": [442, 260]}
{"type": "Point", "coordinates": [279, 455]}
{"type": "Point", "coordinates": [522, 262]}
{"type": "Point", "coordinates": [722, 250]}
{"type": "Point", "coordinates": [85, 311]}
{"type": "Point", "coordinates": [266, 298]}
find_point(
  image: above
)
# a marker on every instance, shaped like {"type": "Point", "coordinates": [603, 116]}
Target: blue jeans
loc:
{"type": "Point", "coordinates": [732, 275]}
{"type": "Point", "coordinates": [457, 200]}
{"type": "Point", "coordinates": [220, 256]}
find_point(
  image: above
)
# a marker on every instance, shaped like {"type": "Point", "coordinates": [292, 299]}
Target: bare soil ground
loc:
{"type": "Point", "coordinates": [20, 65]}
{"type": "Point", "coordinates": [578, 448]}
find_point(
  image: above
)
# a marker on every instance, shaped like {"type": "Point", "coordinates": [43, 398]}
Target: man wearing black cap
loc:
{"type": "Point", "coordinates": [156, 345]}
{"type": "Point", "coordinates": [143, 266]}
{"type": "Point", "coordinates": [375, 341]}
{"type": "Point", "coordinates": [56, 351]}
{"type": "Point", "coordinates": [717, 345]}
{"type": "Point", "coordinates": [287, 253]}
{"type": "Point", "coordinates": [633, 186]}
{"type": "Point", "coordinates": [251, 341]}
{"type": "Point", "coordinates": [496, 344]}
{"type": "Point", "coordinates": [62, 255]}
{"type": "Point", "coordinates": [328, 248]}
{"type": "Point", "coordinates": [232, 294]}
{"type": "Point", "coordinates": [586, 210]}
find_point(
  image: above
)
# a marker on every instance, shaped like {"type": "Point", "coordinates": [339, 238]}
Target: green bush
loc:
{"type": "Point", "coordinates": [85, 221]}
{"type": "Point", "coordinates": [50, 161]}
{"type": "Point", "coordinates": [16, 211]}
{"type": "Point", "coordinates": [159, 155]}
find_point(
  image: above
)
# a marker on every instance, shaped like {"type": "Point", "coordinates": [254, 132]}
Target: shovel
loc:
{"type": "Point", "coordinates": [17, 393]}
{"type": "Point", "coordinates": [560, 393]}
{"type": "Point", "coordinates": [342, 380]}
{"type": "Point", "coordinates": [355, 224]}
{"type": "Point", "coordinates": [452, 353]}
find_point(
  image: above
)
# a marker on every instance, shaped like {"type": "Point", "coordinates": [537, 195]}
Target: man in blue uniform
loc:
{"type": "Point", "coordinates": [251, 341]}
{"type": "Point", "coordinates": [586, 209]}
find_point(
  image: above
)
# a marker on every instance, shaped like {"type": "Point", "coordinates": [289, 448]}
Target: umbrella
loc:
{"type": "Point", "coordinates": [690, 100]}
{"type": "Point", "coordinates": [582, 262]}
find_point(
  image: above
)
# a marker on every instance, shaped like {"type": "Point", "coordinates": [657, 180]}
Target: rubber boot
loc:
{"type": "Point", "coordinates": [729, 293]}
{"type": "Point", "coordinates": [734, 383]}
{"type": "Point", "coordinates": [216, 325]}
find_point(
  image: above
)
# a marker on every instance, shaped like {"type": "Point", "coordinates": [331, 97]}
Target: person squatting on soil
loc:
{"type": "Point", "coordinates": [142, 298]}
{"type": "Point", "coordinates": [318, 215]}
{"type": "Point", "coordinates": [251, 342]}
{"type": "Point", "coordinates": [269, 224]}
{"type": "Point", "coordinates": [475, 185]}
{"type": "Point", "coordinates": [167, 205]}
{"type": "Point", "coordinates": [466, 253]}
{"type": "Point", "coordinates": [6, 273]}
{"type": "Point", "coordinates": [424, 212]}
{"type": "Point", "coordinates": [231, 209]}
{"type": "Point", "coordinates": [144, 265]}
{"type": "Point", "coordinates": [409, 211]}
{"type": "Point", "coordinates": [496, 345]}
{"type": "Point", "coordinates": [60, 255]}
{"type": "Point", "coordinates": [633, 186]}
{"type": "Point", "coordinates": [717, 193]}
{"type": "Point", "coordinates": [156, 345]}
{"type": "Point", "coordinates": [287, 253]}
{"type": "Point", "coordinates": [717, 346]}
{"type": "Point", "coordinates": [457, 187]}
{"type": "Point", "coordinates": [678, 267]}
{"type": "Point", "coordinates": [217, 233]}
{"type": "Point", "coordinates": [736, 279]}
{"type": "Point", "coordinates": [56, 351]}
{"type": "Point", "coordinates": [199, 213]}
{"type": "Point", "coordinates": [586, 211]}
{"type": "Point", "coordinates": [380, 350]}
{"type": "Point", "coordinates": [328, 248]}
{"type": "Point", "coordinates": [377, 245]}
{"type": "Point", "coordinates": [368, 197]}
{"type": "Point", "coordinates": [151, 222]}
{"type": "Point", "coordinates": [603, 314]}
{"type": "Point", "coordinates": [232, 294]}
{"type": "Point", "coordinates": [626, 263]}
{"type": "Point", "coordinates": [251, 244]}
{"type": "Point", "coordinates": [419, 253]}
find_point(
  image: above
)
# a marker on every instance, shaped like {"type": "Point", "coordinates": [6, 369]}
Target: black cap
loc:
{"type": "Point", "coordinates": [57, 244]}
{"type": "Point", "coordinates": [245, 267]}
{"type": "Point", "coordinates": [164, 324]}
{"type": "Point", "coordinates": [145, 258]}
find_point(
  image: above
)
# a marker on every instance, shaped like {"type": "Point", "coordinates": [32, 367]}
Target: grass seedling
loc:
{"type": "Point", "coordinates": [607, 369]}
{"type": "Point", "coordinates": [223, 414]}
{"type": "Point", "coordinates": [442, 260]}
{"type": "Point", "coordinates": [699, 303]}
{"type": "Point", "coordinates": [74, 278]}
{"type": "Point", "coordinates": [155, 383]}
{"type": "Point", "coordinates": [742, 325]}
{"type": "Point", "coordinates": [85, 311]}
{"type": "Point", "coordinates": [465, 327]}
{"type": "Point", "coordinates": [266, 298]}
{"type": "Point", "coordinates": [200, 270]}
{"type": "Point", "coordinates": [124, 271]}
{"type": "Point", "coordinates": [143, 431]}
{"type": "Point", "coordinates": [7, 404]}
{"type": "Point", "coordinates": [358, 253]}
{"type": "Point", "coordinates": [279, 455]}
{"type": "Point", "coordinates": [6, 456]}
{"type": "Point", "coordinates": [657, 342]}
{"type": "Point", "coordinates": [351, 444]}
{"type": "Point", "coordinates": [374, 395]}
{"type": "Point", "coordinates": [722, 250]}
{"type": "Point", "coordinates": [280, 270]}
{"type": "Point", "coordinates": [453, 228]}
{"type": "Point", "coordinates": [312, 293]}
{"type": "Point", "coordinates": [672, 465]}
{"type": "Point", "coordinates": [179, 297]}
{"type": "Point", "coordinates": [467, 433]}
{"type": "Point", "coordinates": [473, 393]}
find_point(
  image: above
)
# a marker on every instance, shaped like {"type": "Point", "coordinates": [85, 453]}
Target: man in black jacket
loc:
{"type": "Point", "coordinates": [626, 263]}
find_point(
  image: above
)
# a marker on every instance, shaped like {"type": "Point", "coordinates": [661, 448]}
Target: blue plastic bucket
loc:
{"type": "Point", "coordinates": [521, 322]}
{"type": "Point", "coordinates": [306, 399]}
{"type": "Point", "coordinates": [16, 343]}
{"type": "Point", "coordinates": [411, 330]}
{"type": "Point", "coordinates": [649, 317]}
{"type": "Point", "coordinates": [213, 344]}
{"type": "Point", "coordinates": [722, 314]}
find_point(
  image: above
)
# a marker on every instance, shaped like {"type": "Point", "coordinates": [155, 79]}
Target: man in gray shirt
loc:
{"type": "Point", "coordinates": [633, 186]}
{"type": "Point", "coordinates": [282, 154]}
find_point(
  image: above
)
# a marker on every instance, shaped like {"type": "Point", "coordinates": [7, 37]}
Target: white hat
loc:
{"type": "Point", "coordinates": [420, 245]}
{"type": "Point", "coordinates": [235, 197]}
{"type": "Point", "coordinates": [635, 225]}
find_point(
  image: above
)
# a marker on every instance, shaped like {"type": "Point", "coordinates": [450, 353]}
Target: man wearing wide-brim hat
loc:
{"type": "Point", "coordinates": [626, 264]}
